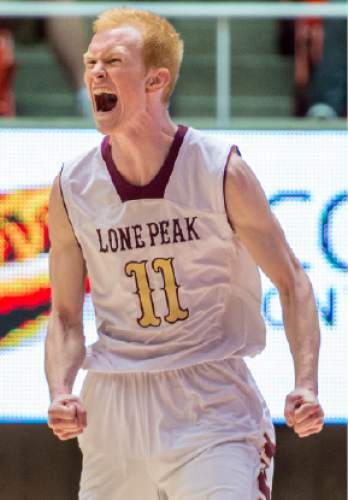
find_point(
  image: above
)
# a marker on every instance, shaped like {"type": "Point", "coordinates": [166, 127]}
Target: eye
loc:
{"type": "Point", "coordinates": [114, 60]}
{"type": "Point", "coordinates": [90, 63]}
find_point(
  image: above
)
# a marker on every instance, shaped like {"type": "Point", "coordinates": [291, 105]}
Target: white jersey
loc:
{"type": "Point", "coordinates": [171, 283]}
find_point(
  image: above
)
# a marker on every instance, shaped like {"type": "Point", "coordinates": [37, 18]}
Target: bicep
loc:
{"type": "Point", "coordinates": [66, 264]}
{"type": "Point", "coordinates": [257, 227]}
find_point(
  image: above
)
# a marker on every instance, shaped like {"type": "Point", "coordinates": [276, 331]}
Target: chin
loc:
{"type": "Point", "coordinates": [104, 126]}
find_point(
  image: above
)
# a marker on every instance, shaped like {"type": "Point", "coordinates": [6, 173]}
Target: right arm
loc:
{"type": "Point", "coordinates": [65, 342]}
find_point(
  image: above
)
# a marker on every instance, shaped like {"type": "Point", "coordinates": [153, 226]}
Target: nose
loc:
{"type": "Point", "coordinates": [98, 70]}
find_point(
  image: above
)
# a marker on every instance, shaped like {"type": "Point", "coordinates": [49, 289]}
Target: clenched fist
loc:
{"type": "Point", "coordinates": [303, 412]}
{"type": "Point", "coordinates": [66, 416]}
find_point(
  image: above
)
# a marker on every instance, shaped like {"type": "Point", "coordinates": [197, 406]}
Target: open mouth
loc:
{"type": "Point", "coordinates": [105, 101]}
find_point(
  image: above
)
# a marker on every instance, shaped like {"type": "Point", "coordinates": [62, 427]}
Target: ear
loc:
{"type": "Point", "coordinates": [157, 80]}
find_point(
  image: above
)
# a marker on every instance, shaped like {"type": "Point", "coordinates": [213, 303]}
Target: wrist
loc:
{"type": "Point", "coordinates": [59, 392]}
{"type": "Point", "coordinates": [306, 388]}
{"type": "Point", "coordinates": [308, 382]}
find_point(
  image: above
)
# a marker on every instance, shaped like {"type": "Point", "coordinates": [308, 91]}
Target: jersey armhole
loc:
{"type": "Point", "coordinates": [65, 207]}
{"type": "Point", "coordinates": [233, 149]}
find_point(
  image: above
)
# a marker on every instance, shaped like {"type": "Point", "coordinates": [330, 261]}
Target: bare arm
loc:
{"type": "Point", "coordinates": [67, 35]}
{"type": "Point", "coordinates": [65, 342]}
{"type": "Point", "coordinates": [262, 235]}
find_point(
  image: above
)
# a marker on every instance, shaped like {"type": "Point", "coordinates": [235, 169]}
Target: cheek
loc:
{"type": "Point", "coordinates": [135, 90]}
{"type": "Point", "coordinates": [131, 80]}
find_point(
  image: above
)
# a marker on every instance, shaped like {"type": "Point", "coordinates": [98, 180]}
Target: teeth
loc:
{"type": "Point", "coordinates": [103, 91]}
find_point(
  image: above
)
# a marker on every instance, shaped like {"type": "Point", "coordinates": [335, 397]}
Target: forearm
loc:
{"type": "Point", "coordinates": [302, 330]}
{"type": "Point", "coordinates": [64, 354]}
{"type": "Point", "coordinates": [70, 55]}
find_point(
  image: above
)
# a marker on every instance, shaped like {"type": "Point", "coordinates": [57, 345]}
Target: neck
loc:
{"type": "Point", "coordinates": [139, 150]}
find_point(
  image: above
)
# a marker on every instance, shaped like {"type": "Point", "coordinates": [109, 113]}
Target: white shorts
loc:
{"type": "Point", "coordinates": [196, 433]}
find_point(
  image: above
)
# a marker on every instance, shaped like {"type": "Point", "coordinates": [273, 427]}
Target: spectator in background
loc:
{"type": "Point", "coordinates": [319, 47]}
{"type": "Point", "coordinates": [7, 67]}
{"type": "Point", "coordinates": [327, 89]}
{"type": "Point", "coordinates": [67, 38]}
{"type": "Point", "coordinates": [308, 46]}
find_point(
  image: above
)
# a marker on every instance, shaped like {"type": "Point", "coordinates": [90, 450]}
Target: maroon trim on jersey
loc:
{"type": "Point", "coordinates": [233, 149]}
{"type": "Point", "coordinates": [156, 187]}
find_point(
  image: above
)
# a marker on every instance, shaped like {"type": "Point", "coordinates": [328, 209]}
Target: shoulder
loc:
{"type": "Point", "coordinates": [55, 199]}
{"type": "Point", "coordinates": [79, 172]}
{"type": "Point", "coordinates": [246, 200]}
{"type": "Point", "coordinates": [80, 162]}
{"type": "Point", "coordinates": [239, 176]}
{"type": "Point", "coordinates": [60, 231]}
{"type": "Point", "coordinates": [198, 176]}
{"type": "Point", "coordinates": [210, 149]}
{"type": "Point", "coordinates": [207, 140]}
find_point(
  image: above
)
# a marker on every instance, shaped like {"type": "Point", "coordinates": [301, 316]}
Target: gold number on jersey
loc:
{"type": "Point", "coordinates": [144, 291]}
{"type": "Point", "coordinates": [175, 312]}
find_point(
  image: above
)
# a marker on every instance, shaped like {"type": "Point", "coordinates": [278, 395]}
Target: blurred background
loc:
{"type": "Point", "coordinates": [242, 61]}
{"type": "Point", "coordinates": [273, 77]}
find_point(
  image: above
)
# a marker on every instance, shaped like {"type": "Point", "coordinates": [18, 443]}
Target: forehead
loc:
{"type": "Point", "coordinates": [125, 38]}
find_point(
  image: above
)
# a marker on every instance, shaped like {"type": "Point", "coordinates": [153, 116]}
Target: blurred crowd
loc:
{"type": "Point", "coordinates": [67, 38]}
{"type": "Point", "coordinates": [318, 48]}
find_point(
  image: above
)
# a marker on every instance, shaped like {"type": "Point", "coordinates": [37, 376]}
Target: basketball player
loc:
{"type": "Point", "coordinates": [170, 224]}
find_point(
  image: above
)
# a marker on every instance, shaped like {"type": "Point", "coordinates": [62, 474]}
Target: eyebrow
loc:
{"type": "Point", "coordinates": [89, 55]}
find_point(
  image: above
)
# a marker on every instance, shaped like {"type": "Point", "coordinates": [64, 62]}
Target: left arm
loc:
{"type": "Point", "coordinates": [260, 232]}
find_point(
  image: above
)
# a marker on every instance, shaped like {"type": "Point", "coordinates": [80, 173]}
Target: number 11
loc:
{"type": "Point", "coordinates": [144, 291]}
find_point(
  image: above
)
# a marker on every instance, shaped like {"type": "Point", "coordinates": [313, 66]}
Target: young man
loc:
{"type": "Point", "coordinates": [170, 225]}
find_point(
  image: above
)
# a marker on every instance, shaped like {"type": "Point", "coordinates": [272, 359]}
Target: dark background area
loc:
{"type": "Point", "coordinates": [37, 466]}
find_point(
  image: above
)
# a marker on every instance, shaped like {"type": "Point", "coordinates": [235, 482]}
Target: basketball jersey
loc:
{"type": "Point", "coordinates": [171, 283]}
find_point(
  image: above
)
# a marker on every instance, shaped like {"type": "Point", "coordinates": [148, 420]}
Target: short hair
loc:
{"type": "Point", "coordinates": [162, 46]}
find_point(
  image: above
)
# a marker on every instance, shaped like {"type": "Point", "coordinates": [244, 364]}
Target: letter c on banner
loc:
{"type": "Point", "coordinates": [282, 196]}
{"type": "Point", "coordinates": [326, 236]}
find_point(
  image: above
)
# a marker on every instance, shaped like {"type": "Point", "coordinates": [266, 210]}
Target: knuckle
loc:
{"type": "Point", "coordinates": [288, 414]}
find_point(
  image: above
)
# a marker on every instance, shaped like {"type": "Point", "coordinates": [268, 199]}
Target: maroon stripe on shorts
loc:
{"type": "Point", "coordinates": [270, 447]}
{"type": "Point", "coordinates": [269, 451]}
{"type": "Point", "coordinates": [263, 486]}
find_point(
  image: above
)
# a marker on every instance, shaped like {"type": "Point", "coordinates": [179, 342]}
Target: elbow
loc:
{"type": "Point", "coordinates": [295, 284]}
{"type": "Point", "coordinates": [67, 317]}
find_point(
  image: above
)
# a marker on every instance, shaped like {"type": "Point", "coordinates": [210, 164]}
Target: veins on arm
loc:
{"type": "Point", "coordinates": [260, 232]}
{"type": "Point", "coordinates": [65, 348]}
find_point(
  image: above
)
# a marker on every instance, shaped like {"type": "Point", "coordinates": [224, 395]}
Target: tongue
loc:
{"type": "Point", "coordinates": [106, 102]}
